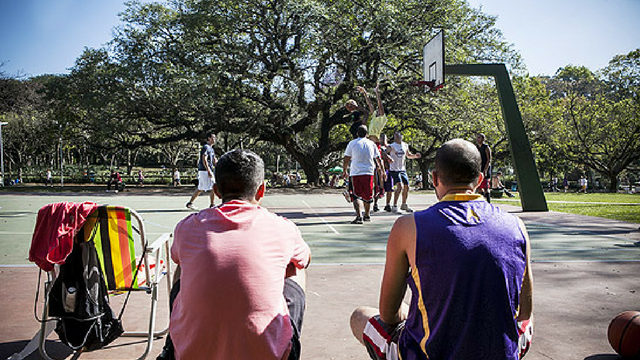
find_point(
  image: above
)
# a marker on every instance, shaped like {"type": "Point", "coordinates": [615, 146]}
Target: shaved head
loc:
{"type": "Point", "coordinates": [458, 163]}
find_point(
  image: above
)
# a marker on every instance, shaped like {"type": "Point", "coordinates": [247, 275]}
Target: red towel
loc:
{"type": "Point", "coordinates": [56, 226]}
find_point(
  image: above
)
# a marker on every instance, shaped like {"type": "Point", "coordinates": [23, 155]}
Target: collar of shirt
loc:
{"type": "Point", "coordinates": [462, 197]}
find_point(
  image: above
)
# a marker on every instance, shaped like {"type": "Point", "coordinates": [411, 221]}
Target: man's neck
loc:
{"type": "Point", "coordinates": [457, 190]}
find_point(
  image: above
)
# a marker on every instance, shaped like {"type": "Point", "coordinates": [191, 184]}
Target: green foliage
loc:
{"type": "Point", "coordinates": [274, 76]}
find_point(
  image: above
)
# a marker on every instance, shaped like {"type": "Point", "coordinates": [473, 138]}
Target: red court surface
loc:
{"type": "Point", "coordinates": [585, 272]}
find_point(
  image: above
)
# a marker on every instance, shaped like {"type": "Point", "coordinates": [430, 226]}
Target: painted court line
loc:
{"type": "Point", "coordinates": [320, 217]}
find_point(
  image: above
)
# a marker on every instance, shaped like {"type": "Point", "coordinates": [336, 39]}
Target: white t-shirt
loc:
{"type": "Point", "coordinates": [398, 153]}
{"type": "Point", "coordinates": [362, 152]}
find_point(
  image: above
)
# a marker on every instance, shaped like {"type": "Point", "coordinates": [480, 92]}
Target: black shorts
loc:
{"type": "Point", "coordinates": [296, 302]}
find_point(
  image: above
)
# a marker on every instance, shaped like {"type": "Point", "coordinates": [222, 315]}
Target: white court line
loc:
{"type": "Point", "coordinates": [158, 225]}
{"type": "Point", "coordinates": [583, 261]}
{"type": "Point", "coordinates": [14, 215]}
{"type": "Point", "coordinates": [323, 220]}
{"type": "Point", "coordinates": [346, 264]}
{"type": "Point", "coordinates": [19, 266]}
{"type": "Point", "coordinates": [591, 249]}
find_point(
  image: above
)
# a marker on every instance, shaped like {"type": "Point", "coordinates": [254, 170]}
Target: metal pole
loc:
{"type": "Point", "coordinates": [2, 155]}
{"type": "Point", "coordinates": [532, 197]}
{"type": "Point", "coordinates": [61, 166]}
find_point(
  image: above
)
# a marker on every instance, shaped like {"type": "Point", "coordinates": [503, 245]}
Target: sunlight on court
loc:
{"type": "Point", "coordinates": [323, 219]}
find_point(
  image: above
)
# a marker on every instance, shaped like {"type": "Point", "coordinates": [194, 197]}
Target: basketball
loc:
{"type": "Point", "coordinates": [624, 334]}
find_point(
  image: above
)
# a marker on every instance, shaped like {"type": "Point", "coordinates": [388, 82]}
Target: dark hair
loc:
{"type": "Point", "coordinates": [362, 131]}
{"type": "Point", "coordinates": [238, 174]}
{"type": "Point", "coordinates": [458, 163]}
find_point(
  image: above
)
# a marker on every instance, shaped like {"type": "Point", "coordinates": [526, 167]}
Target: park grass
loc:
{"type": "Point", "coordinates": [623, 207]}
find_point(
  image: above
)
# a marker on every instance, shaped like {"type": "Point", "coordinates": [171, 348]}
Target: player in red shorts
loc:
{"type": "Point", "coordinates": [363, 159]}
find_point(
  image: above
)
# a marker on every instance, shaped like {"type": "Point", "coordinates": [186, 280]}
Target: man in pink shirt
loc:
{"type": "Point", "coordinates": [241, 273]}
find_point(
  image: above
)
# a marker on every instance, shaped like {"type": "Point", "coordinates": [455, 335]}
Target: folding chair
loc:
{"type": "Point", "coordinates": [114, 237]}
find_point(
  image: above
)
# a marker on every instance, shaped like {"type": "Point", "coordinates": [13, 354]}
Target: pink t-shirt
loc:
{"type": "Point", "coordinates": [233, 260]}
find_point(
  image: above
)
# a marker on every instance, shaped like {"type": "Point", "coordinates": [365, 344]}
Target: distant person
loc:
{"type": "Point", "coordinates": [363, 159]}
{"type": "Point", "coordinates": [49, 178]}
{"type": "Point", "coordinates": [140, 178]}
{"type": "Point", "coordinates": [565, 183]}
{"type": "Point", "coordinates": [378, 119]}
{"type": "Point", "coordinates": [554, 184]}
{"type": "Point", "coordinates": [206, 164]}
{"type": "Point", "coordinates": [376, 124]}
{"type": "Point", "coordinates": [358, 116]}
{"type": "Point", "coordinates": [241, 273]}
{"type": "Point", "coordinates": [485, 152]}
{"type": "Point", "coordinates": [496, 184]}
{"type": "Point", "coordinates": [114, 179]}
{"type": "Point", "coordinates": [398, 152]}
{"type": "Point", "coordinates": [583, 184]}
{"type": "Point", "coordinates": [417, 181]}
{"type": "Point", "coordinates": [384, 182]}
{"type": "Point", "coordinates": [176, 177]}
{"type": "Point", "coordinates": [467, 264]}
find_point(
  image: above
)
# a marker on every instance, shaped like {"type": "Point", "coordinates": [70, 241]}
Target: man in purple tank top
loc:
{"type": "Point", "coordinates": [467, 264]}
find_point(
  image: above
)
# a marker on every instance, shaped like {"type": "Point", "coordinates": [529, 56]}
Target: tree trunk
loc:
{"type": "Point", "coordinates": [310, 167]}
{"type": "Point", "coordinates": [613, 182]}
{"type": "Point", "coordinates": [424, 171]}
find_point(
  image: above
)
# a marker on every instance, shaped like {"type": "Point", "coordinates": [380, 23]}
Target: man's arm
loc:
{"type": "Point", "coordinates": [380, 108]}
{"type": "Point", "coordinates": [411, 155]}
{"type": "Point", "coordinates": [345, 163]}
{"type": "Point", "coordinates": [525, 309]}
{"type": "Point", "coordinates": [396, 267]}
{"type": "Point", "coordinates": [380, 167]}
{"type": "Point", "coordinates": [366, 97]}
{"type": "Point", "coordinates": [365, 114]}
{"type": "Point", "coordinates": [487, 151]}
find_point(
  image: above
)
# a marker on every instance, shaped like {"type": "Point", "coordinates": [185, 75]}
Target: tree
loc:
{"type": "Point", "coordinates": [277, 71]}
{"type": "Point", "coordinates": [601, 116]}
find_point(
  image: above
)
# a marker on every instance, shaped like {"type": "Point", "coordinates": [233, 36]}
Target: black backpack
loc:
{"type": "Point", "coordinates": [79, 299]}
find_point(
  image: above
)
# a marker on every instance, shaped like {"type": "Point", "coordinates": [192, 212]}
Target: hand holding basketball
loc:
{"type": "Point", "coordinates": [624, 334]}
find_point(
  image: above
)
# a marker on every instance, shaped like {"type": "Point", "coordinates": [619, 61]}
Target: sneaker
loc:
{"type": "Point", "coordinates": [357, 220]}
{"type": "Point", "coordinates": [394, 209]}
{"type": "Point", "coordinates": [406, 208]}
{"type": "Point", "coordinates": [346, 196]}
{"type": "Point", "coordinates": [387, 208]}
{"type": "Point", "coordinates": [190, 206]}
{"type": "Point", "coordinates": [376, 208]}
{"type": "Point", "coordinates": [366, 218]}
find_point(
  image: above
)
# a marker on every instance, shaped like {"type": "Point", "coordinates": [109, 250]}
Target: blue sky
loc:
{"type": "Point", "coordinates": [46, 36]}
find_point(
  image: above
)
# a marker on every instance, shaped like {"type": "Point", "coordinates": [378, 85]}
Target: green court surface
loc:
{"type": "Point", "coordinates": [585, 272]}
{"type": "Point", "coordinates": [323, 219]}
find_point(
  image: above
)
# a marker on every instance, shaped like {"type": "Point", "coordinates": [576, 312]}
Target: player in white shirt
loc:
{"type": "Point", "coordinates": [364, 158]}
{"type": "Point", "coordinates": [399, 152]}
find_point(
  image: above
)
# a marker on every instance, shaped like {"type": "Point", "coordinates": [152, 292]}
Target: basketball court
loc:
{"type": "Point", "coordinates": [585, 272]}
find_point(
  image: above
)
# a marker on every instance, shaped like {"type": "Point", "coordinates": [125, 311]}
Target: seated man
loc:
{"type": "Point", "coordinates": [115, 179]}
{"type": "Point", "coordinates": [467, 264]}
{"type": "Point", "coordinates": [238, 298]}
{"type": "Point", "coordinates": [496, 184]}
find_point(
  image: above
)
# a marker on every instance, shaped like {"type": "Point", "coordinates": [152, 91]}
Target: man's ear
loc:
{"type": "Point", "coordinates": [480, 180]}
{"type": "Point", "coordinates": [434, 178]}
{"type": "Point", "coordinates": [217, 191]}
{"type": "Point", "coordinates": [260, 191]}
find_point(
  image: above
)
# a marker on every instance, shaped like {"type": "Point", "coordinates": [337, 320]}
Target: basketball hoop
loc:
{"type": "Point", "coordinates": [426, 85]}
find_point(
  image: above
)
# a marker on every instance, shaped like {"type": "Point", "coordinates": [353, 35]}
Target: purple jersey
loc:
{"type": "Point", "coordinates": [470, 263]}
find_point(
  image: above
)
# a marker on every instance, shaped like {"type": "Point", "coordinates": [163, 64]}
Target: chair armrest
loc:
{"type": "Point", "coordinates": [155, 246]}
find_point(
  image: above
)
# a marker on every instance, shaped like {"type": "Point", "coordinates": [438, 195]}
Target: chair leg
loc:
{"type": "Point", "coordinates": [34, 343]}
{"type": "Point", "coordinates": [152, 321]}
{"type": "Point", "coordinates": [43, 329]}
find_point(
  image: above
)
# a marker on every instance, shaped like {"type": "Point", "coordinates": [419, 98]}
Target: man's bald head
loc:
{"type": "Point", "coordinates": [458, 163]}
